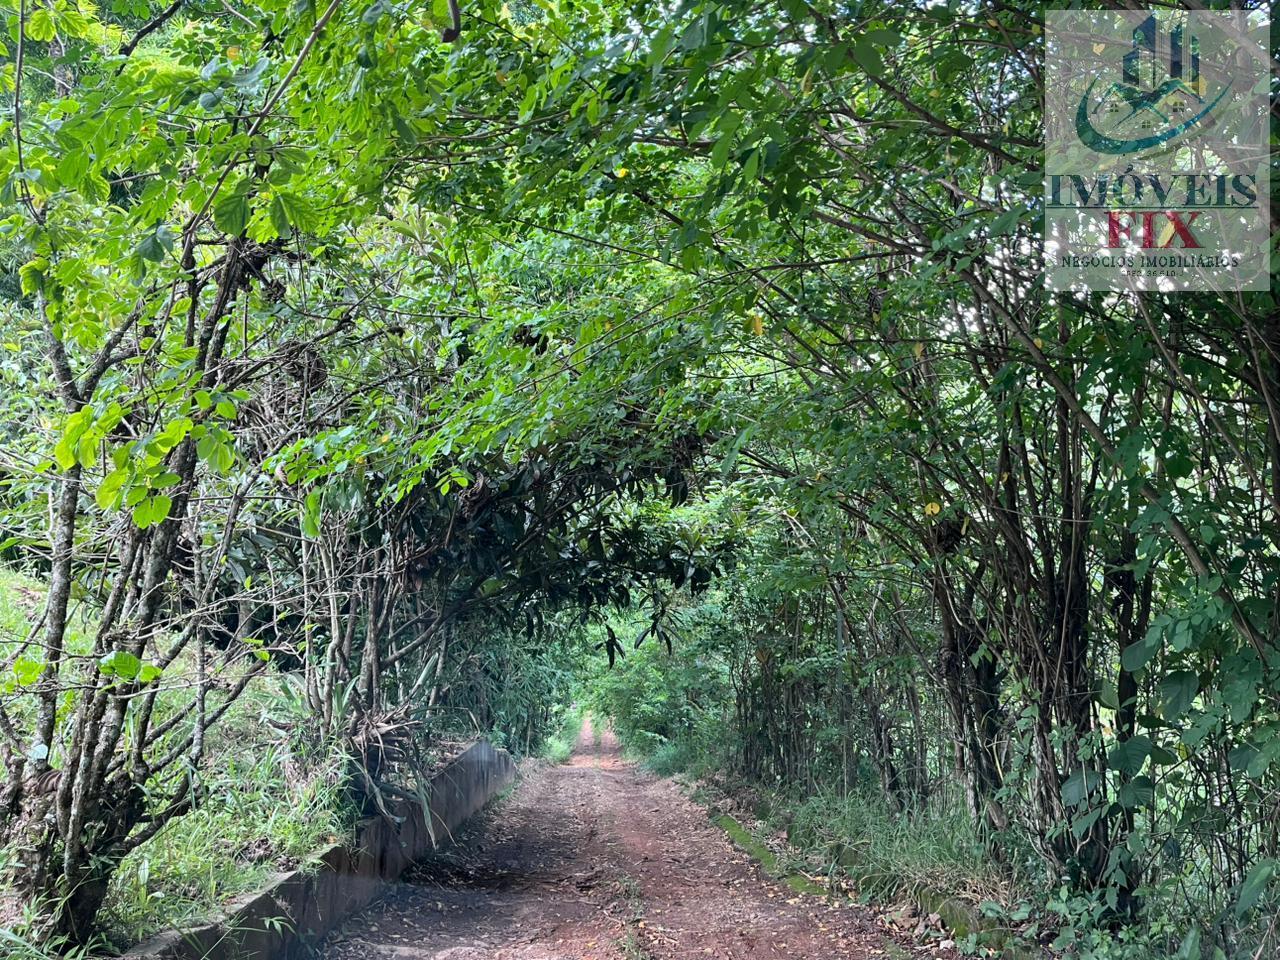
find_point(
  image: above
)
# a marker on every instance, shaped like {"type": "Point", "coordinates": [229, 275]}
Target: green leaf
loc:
{"type": "Point", "coordinates": [31, 276]}
{"type": "Point", "coordinates": [1138, 792]}
{"type": "Point", "coordinates": [27, 670]}
{"type": "Point", "coordinates": [1179, 466]}
{"type": "Point", "coordinates": [64, 453]}
{"type": "Point", "coordinates": [279, 219]}
{"type": "Point", "coordinates": [1136, 655]}
{"type": "Point", "coordinates": [73, 23]}
{"type": "Point", "coordinates": [1190, 948]}
{"type": "Point", "coordinates": [1242, 756]}
{"type": "Point", "coordinates": [151, 510]}
{"type": "Point", "coordinates": [109, 491]}
{"type": "Point", "coordinates": [156, 244]}
{"type": "Point", "coordinates": [695, 35]}
{"type": "Point", "coordinates": [231, 211]}
{"type": "Point", "coordinates": [1240, 688]}
{"type": "Point", "coordinates": [1083, 823]}
{"type": "Point", "coordinates": [120, 663]}
{"type": "Point", "coordinates": [160, 507]}
{"type": "Point", "coordinates": [867, 57]}
{"type": "Point", "coordinates": [1261, 763]}
{"type": "Point", "coordinates": [1254, 886]}
{"type": "Point", "coordinates": [405, 129]}
{"type": "Point", "coordinates": [1162, 757]}
{"type": "Point", "coordinates": [311, 515]}
{"type": "Point", "coordinates": [1130, 757]}
{"type": "Point", "coordinates": [40, 25]}
{"type": "Point", "coordinates": [1108, 696]}
{"type": "Point", "coordinates": [1177, 692]}
{"type": "Point", "coordinates": [295, 210]}
{"type": "Point", "coordinates": [142, 514]}
{"type": "Point", "coordinates": [952, 65]}
{"type": "Point", "coordinates": [375, 12]}
{"type": "Point", "coordinates": [1006, 222]}
{"type": "Point", "coordinates": [73, 166]}
{"type": "Point", "coordinates": [885, 38]}
{"type": "Point", "coordinates": [1079, 785]}
{"type": "Point", "coordinates": [223, 458]}
{"type": "Point", "coordinates": [720, 152]}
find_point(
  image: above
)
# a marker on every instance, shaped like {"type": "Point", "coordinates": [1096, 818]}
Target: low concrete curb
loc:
{"type": "Point", "coordinates": [302, 906]}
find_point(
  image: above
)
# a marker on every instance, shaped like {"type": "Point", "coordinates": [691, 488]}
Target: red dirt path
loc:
{"type": "Point", "coordinates": [599, 860]}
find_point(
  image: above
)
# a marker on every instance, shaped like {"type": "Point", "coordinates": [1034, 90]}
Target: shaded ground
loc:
{"type": "Point", "coordinates": [598, 859]}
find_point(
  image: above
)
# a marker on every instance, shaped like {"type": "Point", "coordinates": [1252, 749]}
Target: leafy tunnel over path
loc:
{"type": "Point", "coordinates": [376, 373]}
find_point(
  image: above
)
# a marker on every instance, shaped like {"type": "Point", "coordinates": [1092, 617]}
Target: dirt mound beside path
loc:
{"type": "Point", "coordinates": [599, 860]}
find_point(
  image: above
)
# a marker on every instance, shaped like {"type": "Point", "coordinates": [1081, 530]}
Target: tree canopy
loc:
{"type": "Point", "coordinates": [340, 338]}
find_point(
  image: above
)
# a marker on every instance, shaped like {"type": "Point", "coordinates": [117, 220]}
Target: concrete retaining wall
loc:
{"type": "Point", "coordinates": [302, 906]}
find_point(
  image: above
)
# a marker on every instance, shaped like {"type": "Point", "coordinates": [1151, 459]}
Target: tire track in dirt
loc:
{"type": "Point", "coordinates": [598, 860]}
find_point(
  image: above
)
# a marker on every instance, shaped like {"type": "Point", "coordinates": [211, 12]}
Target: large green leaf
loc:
{"type": "Point", "coordinates": [1177, 693]}
{"type": "Point", "coordinates": [1130, 757]}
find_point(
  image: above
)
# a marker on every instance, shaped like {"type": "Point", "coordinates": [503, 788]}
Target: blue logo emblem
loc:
{"type": "Point", "coordinates": [1152, 99]}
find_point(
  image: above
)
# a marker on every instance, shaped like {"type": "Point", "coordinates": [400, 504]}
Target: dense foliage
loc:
{"type": "Point", "coordinates": [377, 344]}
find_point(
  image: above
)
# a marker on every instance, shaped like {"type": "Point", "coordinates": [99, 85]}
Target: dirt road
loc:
{"type": "Point", "coordinates": [599, 859]}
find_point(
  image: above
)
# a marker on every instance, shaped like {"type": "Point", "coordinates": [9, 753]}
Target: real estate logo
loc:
{"type": "Point", "coordinates": [1157, 155]}
{"type": "Point", "coordinates": [1149, 86]}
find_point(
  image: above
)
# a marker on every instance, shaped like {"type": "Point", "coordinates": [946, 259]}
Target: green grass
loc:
{"type": "Point", "coordinates": [757, 850]}
{"type": "Point", "coordinates": [20, 601]}
{"type": "Point", "coordinates": [891, 855]}
{"type": "Point", "coordinates": [631, 894]}
{"type": "Point", "coordinates": [694, 754]}
{"type": "Point", "coordinates": [267, 808]}
{"type": "Point", "coordinates": [15, 947]}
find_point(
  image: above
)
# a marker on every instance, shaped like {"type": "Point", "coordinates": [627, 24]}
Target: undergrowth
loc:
{"type": "Point", "coordinates": [671, 757]}
{"type": "Point", "coordinates": [890, 855]}
{"type": "Point", "coordinates": [263, 813]}
{"type": "Point", "coordinates": [558, 747]}
{"type": "Point", "coordinates": [265, 805]}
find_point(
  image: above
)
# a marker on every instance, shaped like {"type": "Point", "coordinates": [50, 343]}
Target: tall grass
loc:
{"type": "Point", "coordinates": [20, 602]}
{"type": "Point", "coordinates": [889, 855]}
{"type": "Point", "coordinates": [261, 814]}
{"type": "Point", "coordinates": [16, 947]}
